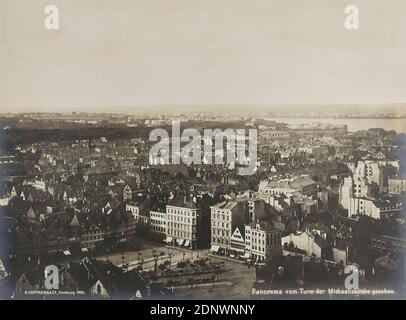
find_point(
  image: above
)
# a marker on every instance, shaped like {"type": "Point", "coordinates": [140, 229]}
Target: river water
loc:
{"type": "Point", "coordinates": [399, 125]}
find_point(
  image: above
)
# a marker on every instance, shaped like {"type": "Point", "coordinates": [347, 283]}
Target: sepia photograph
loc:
{"type": "Point", "coordinates": [230, 151]}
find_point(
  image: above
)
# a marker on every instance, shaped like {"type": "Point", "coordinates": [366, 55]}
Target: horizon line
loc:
{"type": "Point", "coordinates": [208, 108]}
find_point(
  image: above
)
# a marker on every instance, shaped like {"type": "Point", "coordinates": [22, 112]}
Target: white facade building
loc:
{"type": "Point", "coordinates": [157, 224]}
{"type": "Point", "coordinates": [303, 241]}
{"type": "Point", "coordinates": [259, 237]}
{"type": "Point", "coordinates": [182, 218]}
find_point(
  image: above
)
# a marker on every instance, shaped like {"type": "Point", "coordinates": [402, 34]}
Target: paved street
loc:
{"type": "Point", "coordinates": [237, 280]}
{"type": "Point", "coordinates": [161, 250]}
{"type": "Point", "coordinates": [241, 277]}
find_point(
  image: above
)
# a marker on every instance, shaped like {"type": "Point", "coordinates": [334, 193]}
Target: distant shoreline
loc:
{"type": "Point", "coordinates": [342, 118]}
{"type": "Point", "coordinates": [77, 115]}
{"type": "Point", "coordinates": [353, 124]}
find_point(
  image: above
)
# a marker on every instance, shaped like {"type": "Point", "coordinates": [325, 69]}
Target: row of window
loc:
{"type": "Point", "coordinates": [181, 234]}
{"type": "Point", "coordinates": [158, 228]}
{"type": "Point", "coordinates": [221, 232]}
{"type": "Point", "coordinates": [132, 209]}
{"type": "Point", "coordinates": [159, 222]}
{"type": "Point", "coordinates": [220, 224]}
{"type": "Point", "coordinates": [181, 226]}
{"type": "Point", "coordinates": [158, 216]}
{"type": "Point", "coordinates": [220, 240]}
{"type": "Point", "coordinates": [187, 213]}
{"type": "Point", "coordinates": [92, 232]}
{"type": "Point", "coordinates": [257, 257]}
{"type": "Point", "coordinates": [258, 234]}
{"type": "Point", "coordinates": [258, 248]}
{"type": "Point", "coordinates": [182, 219]}
{"type": "Point", "coordinates": [274, 239]}
{"type": "Point", "coordinates": [220, 216]}
{"type": "Point", "coordinates": [87, 238]}
{"type": "Point", "coordinates": [255, 241]}
{"type": "Point", "coordinates": [236, 241]}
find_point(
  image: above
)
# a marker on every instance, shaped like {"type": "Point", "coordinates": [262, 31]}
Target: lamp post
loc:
{"type": "Point", "coordinates": [139, 258]}
{"type": "Point", "coordinates": [123, 256]}
{"type": "Point", "coordinates": [170, 257]}
{"type": "Point", "coordinates": [155, 261]}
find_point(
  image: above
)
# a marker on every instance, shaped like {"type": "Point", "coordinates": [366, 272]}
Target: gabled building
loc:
{"type": "Point", "coordinates": [237, 242]}
{"type": "Point", "coordinates": [226, 216]}
{"type": "Point", "coordinates": [92, 236]}
{"type": "Point", "coordinates": [96, 279]}
{"type": "Point", "coordinates": [3, 271]}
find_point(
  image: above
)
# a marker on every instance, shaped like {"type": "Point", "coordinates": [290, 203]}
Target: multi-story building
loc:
{"type": "Point", "coordinates": [389, 243]}
{"type": "Point", "coordinates": [226, 216]}
{"type": "Point", "coordinates": [370, 170]}
{"type": "Point", "coordinates": [259, 237]}
{"type": "Point", "coordinates": [282, 203]}
{"type": "Point", "coordinates": [122, 231]}
{"type": "Point", "coordinates": [305, 185]}
{"type": "Point", "coordinates": [140, 211]}
{"type": "Point", "coordinates": [92, 237]}
{"type": "Point", "coordinates": [40, 185]}
{"type": "Point", "coordinates": [353, 187]}
{"type": "Point", "coordinates": [107, 234]}
{"type": "Point", "coordinates": [256, 208]}
{"type": "Point", "coordinates": [396, 185]}
{"type": "Point", "coordinates": [376, 209]}
{"type": "Point", "coordinates": [133, 208]}
{"type": "Point", "coordinates": [305, 243]}
{"type": "Point", "coordinates": [188, 221]}
{"type": "Point", "coordinates": [237, 242]}
{"type": "Point", "coordinates": [361, 187]}
{"type": "Point", "coordinates": [345, 192]}
{"type": "Point", "coordinates": [127, 193]}
{"type": "Point", "coordinates": [157, 224]}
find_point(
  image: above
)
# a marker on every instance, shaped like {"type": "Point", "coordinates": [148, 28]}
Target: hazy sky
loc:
{"type": "Point", "coordinates": [115, 55]}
